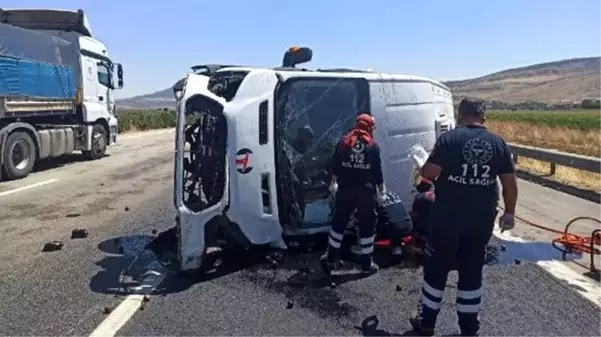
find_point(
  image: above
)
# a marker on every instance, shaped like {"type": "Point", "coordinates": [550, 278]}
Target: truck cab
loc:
{"type": "Point", "coordinates": [254, 146]}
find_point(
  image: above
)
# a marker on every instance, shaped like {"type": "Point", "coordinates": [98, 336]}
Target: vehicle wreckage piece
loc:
{"type": "Point", "coordinates": [254, 147]}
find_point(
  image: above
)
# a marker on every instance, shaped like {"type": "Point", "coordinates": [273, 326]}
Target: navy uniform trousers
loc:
{"type": "Point", "coordinates": [347, 201]}
{"type": "Point", "coordinates": [455, 241]}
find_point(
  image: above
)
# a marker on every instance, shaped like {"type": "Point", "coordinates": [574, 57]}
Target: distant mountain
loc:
{"type": "Point", "coordinates": [562, 81]}
{"type": "Point", "coordinates": [569, 80]}
{"type": "Point", "coordinates": [158, 99]}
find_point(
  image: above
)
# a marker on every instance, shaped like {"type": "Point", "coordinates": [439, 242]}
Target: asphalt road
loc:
{"type": "Point", "coordinates": [122, 198]}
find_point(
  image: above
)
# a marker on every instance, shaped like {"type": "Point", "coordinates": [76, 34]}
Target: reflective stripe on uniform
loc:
{"type": "Point", "coordinates": [431, 297]}
{"type": "Point", "coordinates": [367, 241]}
{"type": "Point", "coordinates": [335, 239]}
{"type": "Point", "coordinates": [468, 308]}
{"type": "Point", "coordinates": [469, 294]}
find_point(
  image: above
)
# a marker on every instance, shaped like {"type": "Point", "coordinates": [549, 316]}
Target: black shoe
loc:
{"type": "Point", "coordinates": [470, 332]}
{"type": "Point", "coordinates": [326, 266]}
{"type": "Point", "coordinates": [371, 269]}
{"type": "Point", "coordinates": [417, 326]}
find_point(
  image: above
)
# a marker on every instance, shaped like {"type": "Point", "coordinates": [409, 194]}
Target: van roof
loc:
{"type": "Point", "coordinates": [287, 73]}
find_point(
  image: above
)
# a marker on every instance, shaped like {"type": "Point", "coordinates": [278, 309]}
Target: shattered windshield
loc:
{"type": "Point", "coordinates": [312, 115]}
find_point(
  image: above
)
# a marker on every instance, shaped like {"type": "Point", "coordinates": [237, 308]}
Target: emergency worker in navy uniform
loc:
{"type": "Point", "coordinates": [358, 184]}
{"type": "Point", "coordinates": [392, 221]}
{"type": "Point", "coordinates": [465, 162]}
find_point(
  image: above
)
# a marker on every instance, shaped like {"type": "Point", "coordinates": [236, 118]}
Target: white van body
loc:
{"type": "Point", "coordinates": [246, 140]}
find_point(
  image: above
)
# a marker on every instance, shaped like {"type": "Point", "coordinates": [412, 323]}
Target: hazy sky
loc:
{"type": "Point", "coordinates": [157, 41]}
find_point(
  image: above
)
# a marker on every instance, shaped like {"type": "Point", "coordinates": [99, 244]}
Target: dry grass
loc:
{"type": "Point", "coordinates": [585, 142]}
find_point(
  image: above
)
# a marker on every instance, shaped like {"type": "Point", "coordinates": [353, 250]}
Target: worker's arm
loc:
{"type": "Point", "coordinates": [508, 179]}
{"type": "Point", "coordinates": [433, 166]}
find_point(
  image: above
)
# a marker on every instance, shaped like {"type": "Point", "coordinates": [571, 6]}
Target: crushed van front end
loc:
{"type": "Point", "coordinates": [201, 169]}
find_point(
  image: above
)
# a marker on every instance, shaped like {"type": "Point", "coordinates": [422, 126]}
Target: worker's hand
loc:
{"type": "Point", "coordinates": [381, 198]}
{"type": "Point", "coordinates": [506, 222]}
{"type": "Point", "coordinates": [333, 188]}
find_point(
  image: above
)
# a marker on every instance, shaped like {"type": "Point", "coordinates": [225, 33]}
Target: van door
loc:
{"type": "Point", "coordinates": [201, 167]}
{"type": "Point", "coordinates": [311, 115]}
{"type": "Point", "coordinates": [405, 115]}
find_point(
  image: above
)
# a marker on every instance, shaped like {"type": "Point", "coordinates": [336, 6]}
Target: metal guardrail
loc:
{"type": "Point", "coordinates": [554, 157]}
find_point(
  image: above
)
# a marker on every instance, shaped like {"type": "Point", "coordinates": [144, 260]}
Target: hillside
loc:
{"type": "Point", "coordinates": [569, 80]}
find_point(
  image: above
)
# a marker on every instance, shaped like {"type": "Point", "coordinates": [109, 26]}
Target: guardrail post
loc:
{"type": "Point", "coordinates": [553, 169]}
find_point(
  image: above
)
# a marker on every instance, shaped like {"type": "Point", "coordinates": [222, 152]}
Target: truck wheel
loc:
{"type": "Point", "coordinates": [19, 155]}
{"type": "Point", "coordinates": [99, 143]}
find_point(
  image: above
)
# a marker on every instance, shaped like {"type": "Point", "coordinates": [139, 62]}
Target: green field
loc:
{"type": "Point", "coordinates": [141, 120]}
{"type": "Point", "coordinates": [581, 119]}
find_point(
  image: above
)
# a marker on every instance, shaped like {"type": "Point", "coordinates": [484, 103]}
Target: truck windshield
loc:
{"type": "Point", "coordinates": [312, 114]}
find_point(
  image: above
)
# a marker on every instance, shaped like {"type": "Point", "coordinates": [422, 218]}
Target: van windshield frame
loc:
{"type": "Point", "coordinates": [311, 114]}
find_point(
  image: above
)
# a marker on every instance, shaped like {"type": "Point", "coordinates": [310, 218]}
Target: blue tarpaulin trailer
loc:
{"type": "Point", "coordinates": [37, 65]}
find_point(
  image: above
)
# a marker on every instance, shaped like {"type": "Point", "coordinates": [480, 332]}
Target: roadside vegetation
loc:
{"type": "Point", "coordinates": [575, 131]}
{"type": "Point", "coordinates": [142, 120]}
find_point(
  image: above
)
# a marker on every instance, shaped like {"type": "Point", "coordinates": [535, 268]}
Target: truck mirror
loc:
{"type": "Point", "coordinates": [119, 76]}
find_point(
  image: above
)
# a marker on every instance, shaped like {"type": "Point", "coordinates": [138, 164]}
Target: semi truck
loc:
{"type": "Point", "coordinates": [56, 89]}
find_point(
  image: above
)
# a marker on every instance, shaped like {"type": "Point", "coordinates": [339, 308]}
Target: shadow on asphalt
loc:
{"type": "Point", "coordinates": [54, 163]}
{"type": "Point", "coordinates": [134, 264]}
{"type": "Point", "coordinates": [369, 328]}
{"type": "Point", "coordinates": [124, 266]}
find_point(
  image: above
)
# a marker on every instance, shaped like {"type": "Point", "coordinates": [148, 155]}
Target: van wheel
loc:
{"type": "Point", "coordinates": [99, 143]}
{"type": "Point", "coordinates": [19, 155]}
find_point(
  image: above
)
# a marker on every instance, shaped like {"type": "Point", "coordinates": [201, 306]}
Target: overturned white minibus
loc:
{"type": "Point", "coordinates": [254, 146]}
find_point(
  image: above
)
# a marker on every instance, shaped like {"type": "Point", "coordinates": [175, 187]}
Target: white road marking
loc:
{"type": "Point", "coordinates": [128, 307]}
{"type": "Point", "coordinates": [144, 134]}
{"type": "Point", "coordinates": [118, 317]}
{"type": "Point", "coordinates": [28, 187]}
{"type": "Point", "coordinates": [581, 284]}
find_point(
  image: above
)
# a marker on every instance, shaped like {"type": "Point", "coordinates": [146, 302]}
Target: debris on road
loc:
{"type": "Point", "coordinates": [126, 208]}
{"type": "Point", "coordinates": [52, 246]}
{"type": "Point", "coordinates": [154, 232]}
{"type": "Point", "coordinates": [289, 305]}
{"type": "Point", "coordinates": [107, 310]}
{"type": "Point", "coordinates": [517, 261]}
{"type": "Point", "coordinates": [101, 184]}
{"type": "Point", "coordinates": [79, 233]}
{"type": "Point", "coordinates": [72, 215]}
{"type": "Point", "coordinates": [398, 288]}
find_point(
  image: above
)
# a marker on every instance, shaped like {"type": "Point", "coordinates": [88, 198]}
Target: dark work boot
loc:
{"type": "Point", "coordinates": [328, 261]}
{"type": "Point", "coordinates": [469, 324]}
{"type": "Point", "coordinates": [418, 325]}
{"type": "Point", "coordinates": [368, 266]}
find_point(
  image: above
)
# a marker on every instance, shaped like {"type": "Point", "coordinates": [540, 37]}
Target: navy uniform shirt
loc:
{"type": "Point", "coordinates": [358, 167]}
{"type": "Point", "coordinates": [471, 158]}
{"type": "Point", "coordinates": [392, 216]}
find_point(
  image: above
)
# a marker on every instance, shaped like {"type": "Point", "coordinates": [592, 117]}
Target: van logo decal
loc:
{"type": "Point", "coordinates": [242, 161]}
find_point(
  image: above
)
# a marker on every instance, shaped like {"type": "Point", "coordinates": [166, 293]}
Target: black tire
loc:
{"type": "Point", "coordinates": [99, 143]}
{"type": "Point", "coordinates": [19, 155]}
